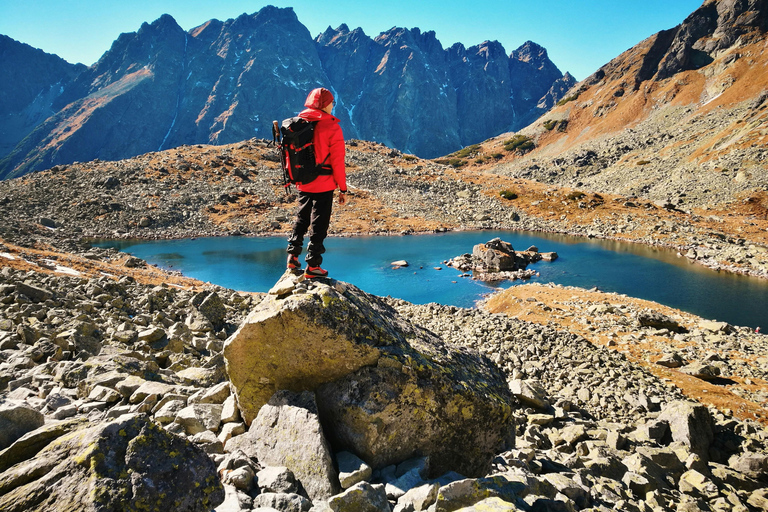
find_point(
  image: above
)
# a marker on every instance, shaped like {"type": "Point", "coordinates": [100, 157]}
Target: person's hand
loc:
{"type": "Point", "coordinates": [342, 197]}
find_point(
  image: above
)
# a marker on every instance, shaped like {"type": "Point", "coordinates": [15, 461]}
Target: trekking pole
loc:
{"type": "Point", "coordinates": [276, 140]}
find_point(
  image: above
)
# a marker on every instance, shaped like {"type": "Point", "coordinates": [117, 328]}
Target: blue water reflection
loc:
{"type": "Point", "coordinates": [254, 264]}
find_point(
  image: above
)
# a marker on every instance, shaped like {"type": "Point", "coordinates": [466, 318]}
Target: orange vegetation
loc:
{"type": "Point", "coordinates": [566, 309]}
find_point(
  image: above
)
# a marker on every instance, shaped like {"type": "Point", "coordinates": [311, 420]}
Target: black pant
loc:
{"type": "Point", "coordinates": [315, 214]}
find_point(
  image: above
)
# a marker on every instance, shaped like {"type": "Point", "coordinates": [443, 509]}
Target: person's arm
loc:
{"type": "Point", "coordinates": [337, 151]}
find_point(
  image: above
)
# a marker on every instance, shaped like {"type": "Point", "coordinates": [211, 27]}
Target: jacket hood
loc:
{"type": "Point", "coordinates": [319, 98]}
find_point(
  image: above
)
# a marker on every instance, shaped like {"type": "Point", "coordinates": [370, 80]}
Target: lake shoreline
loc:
{"type": "Point", "coordinates": [247, 263]}
{"type": "Point", "coordinates": [681, 250]}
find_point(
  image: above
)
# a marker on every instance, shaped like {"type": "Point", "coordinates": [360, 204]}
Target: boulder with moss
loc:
{"type": "Point", "coordinates": [129, 463]}
{"type": "Point", "coordinates": [386, 389]}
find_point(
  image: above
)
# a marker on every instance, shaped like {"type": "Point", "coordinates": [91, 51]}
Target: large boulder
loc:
{"type": "Point", "coordinates": [126, 464]}
{"type": "Point", "coordinates": [386, 390]}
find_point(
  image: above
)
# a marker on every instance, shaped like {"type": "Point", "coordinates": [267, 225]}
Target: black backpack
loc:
{"type": "Point", "coordinates": [295, 140]}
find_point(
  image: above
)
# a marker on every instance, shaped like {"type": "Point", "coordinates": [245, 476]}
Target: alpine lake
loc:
{"type": "Point", "coordinates": [255, 263]}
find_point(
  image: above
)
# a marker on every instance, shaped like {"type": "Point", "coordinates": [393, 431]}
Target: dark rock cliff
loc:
{"type": "Point", "coordinates": [32, 81]}
{"type": "Point", "coordinates": [222, 82]}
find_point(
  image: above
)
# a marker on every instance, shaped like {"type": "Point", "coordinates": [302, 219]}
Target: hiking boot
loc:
{"type": "Point", "coordinates": [313, 272]}
{"type": "Point", "coordinates": [293, 262]}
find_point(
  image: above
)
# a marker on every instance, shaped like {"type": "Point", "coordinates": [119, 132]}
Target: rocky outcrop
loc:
{"type": "Point", "coordinates": [223, 82]}
{"type": "Point", "coordinates": [497, 260]}
{"type": "Point", "coordinates": [368, 366]}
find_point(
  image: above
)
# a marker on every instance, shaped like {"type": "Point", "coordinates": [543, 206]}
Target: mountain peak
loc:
{"type": "Point", "coordinates": [529, 51]}
{"type": "Point", "coordinates": [165, 23]}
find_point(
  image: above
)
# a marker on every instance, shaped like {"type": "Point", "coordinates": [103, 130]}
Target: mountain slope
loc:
{"type": "Point", "coordinates": [680, 117]}
{"type": "Point", "coordinates": [32, 81]}
{"type": "Point", "coordinates": [223, 82]}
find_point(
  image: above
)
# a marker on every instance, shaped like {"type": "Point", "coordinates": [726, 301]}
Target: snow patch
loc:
{"type": "Point", "coordinates": [7, 256]}
{"type": "Point", "coordinates": [61, 269]}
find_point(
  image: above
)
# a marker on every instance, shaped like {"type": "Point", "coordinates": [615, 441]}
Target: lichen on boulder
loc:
{"type": "Point", "coordinates": [387, 390]}
{"type": "Point", "coordinates": [127, 464]}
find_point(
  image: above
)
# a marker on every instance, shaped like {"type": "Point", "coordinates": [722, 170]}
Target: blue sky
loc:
{"type": "Point", "coordinates": [580, 35]}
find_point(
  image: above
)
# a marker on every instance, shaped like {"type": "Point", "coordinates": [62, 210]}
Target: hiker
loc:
{"type": "Point", "coordinates": [316, 197]}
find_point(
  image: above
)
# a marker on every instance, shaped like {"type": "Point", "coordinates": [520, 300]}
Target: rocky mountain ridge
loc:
{"type": "Point", "coordinates": [27, 98]}
{"type": "Point", "coordinates": [681, 117]}
{"type": "Point", "coordinates": [224, 82]}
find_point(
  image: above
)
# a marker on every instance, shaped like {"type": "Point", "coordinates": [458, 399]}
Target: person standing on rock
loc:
{"type": "Point", "coordinates": [316, 197]}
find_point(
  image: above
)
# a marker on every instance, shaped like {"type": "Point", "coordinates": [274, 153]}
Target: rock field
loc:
{"type": "Point", "coordinates": [595, 431]}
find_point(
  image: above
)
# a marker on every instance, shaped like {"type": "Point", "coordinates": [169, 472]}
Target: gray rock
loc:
{"type": "Point", "coordinates": [701, 371]}
{"type": "Point", "coordinates": [656, 320]}
{"type": "Point", "coordinates": [210, 305]}
{"type": "Point", "coordinates": [754, 465]}
{"type": "Point", "coordinates": [48, 223]}
{"type": "Point", "coordinates": [418, 499]}
{"type": "Point", "coordinates": [638, 484]}
{"type": "Point", "coordinates": [217, 394]}
{"type": "Point", "coordinates": [690, 424]}
{"type": "Point", "coordinates": [150, 388]}
{"type": "Point", "coordinates": [229, 411]}
{"type": "Point", "coordinates": [467, 492]}
{"type": "Point", "coordinates": [287, 283]}
{"type": "Point", "coordinates": [230, 430]}
{"type": "Point", "coordinates": [198, 417]}
{"type": "Point", "coordinates": [283, 502]}
{"type": "Point", "coordinates": [241, 478]}
{"type": "Point", "coordinates": [16, 419]}
{"type": "Point", "coordinates": [693, 482]}
{"type": "Point", "coordinates": [169, 411]}
{"type": "Point", "coordinates": [151, 335]}
{"type": "Point", "coordinates": [276, 479]}
{"type": "Point", "coordinates": [759, 499]}
{"type": "Point", "coordinates": [287, 432]}
{"type": "Point", "coordinates": [103, 394]}
{"type": "Point", "coordinates": [647, 468]}
{"type": "Point", "coordinates": [352, 469]}
{"type": "Point", "coordinates": [35, 293]}
{"type": "Point", "coordinates": [530, 392]}
{"type": "Point", "coordinates": [654, 430]}
{"type": "Point", "coordinates": [362, 497]}
{"type": "Point", "coordinates": [569, 487]}
{"type": "Point", "coordinates": [712, 326]}
{"type": "Point", "coordinates": [117, 465]}
{"type": "Point", "coordinates": [31, 443]}
{"type": "Point", "coordinates": [209, 443]}
{"type": "Point", "coordinates": [495, 255]}
{"type": "Point", "coordinates": [404, 483]}
{"type": "Point", "coordinates": [673, 360]}
{"type": "Point", "coordinates": [234, 501]}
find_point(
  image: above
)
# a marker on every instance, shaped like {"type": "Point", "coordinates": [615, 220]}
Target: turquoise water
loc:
{"type": "Point", "coordinates": [255, 264]}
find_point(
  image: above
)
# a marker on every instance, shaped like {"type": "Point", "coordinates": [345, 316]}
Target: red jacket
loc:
{"type": "Point", "coordinates": [328, 139]}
